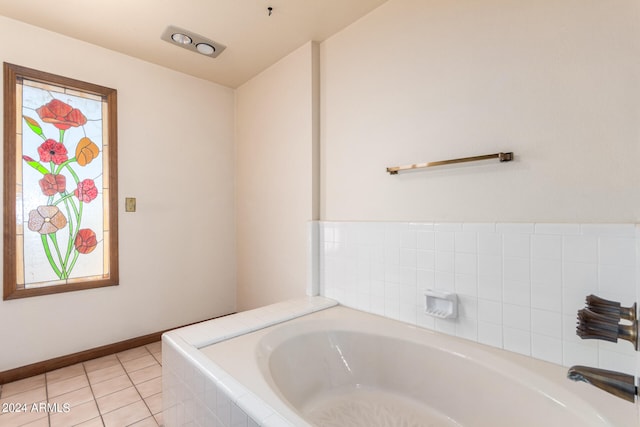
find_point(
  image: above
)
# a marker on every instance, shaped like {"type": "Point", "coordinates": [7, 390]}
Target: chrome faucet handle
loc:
{"type": "Point", "coordinates": [616, 383]}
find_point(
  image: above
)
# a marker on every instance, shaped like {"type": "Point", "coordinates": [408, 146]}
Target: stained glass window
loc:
{"type": "Point", "coordinates": [62, 147]}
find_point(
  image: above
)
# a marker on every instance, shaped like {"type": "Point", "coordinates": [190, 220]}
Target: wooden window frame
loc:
{"type": "Point", "coordinates": [13, 74]}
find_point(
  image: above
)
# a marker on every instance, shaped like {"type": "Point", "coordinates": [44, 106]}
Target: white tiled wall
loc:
{"type": "Point", "coordinates": [194, 398]}
{"type": "Point", "coordinates": [519, 284]}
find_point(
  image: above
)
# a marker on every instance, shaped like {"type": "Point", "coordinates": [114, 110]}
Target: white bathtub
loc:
{"type": "Point", "coordinates": [342, 367]}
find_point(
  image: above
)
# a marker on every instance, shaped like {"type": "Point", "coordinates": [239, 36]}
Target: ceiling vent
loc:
{"type": "Point", "coordinates": [192, 41]}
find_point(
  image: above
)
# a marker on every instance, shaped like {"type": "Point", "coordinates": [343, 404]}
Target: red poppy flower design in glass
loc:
{"type": "Point", "coordinates": [51, 184]}
{"type": "Point", "coordinates": [86, 241]}
{"type": "Point", "coordinates": [52, 151]}
{"type": "Point", "coordinates": [61, 115]}
{"type": "Point", "coordinates": [86, 191]}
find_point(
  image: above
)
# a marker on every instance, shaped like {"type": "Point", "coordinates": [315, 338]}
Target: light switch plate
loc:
{"type": "Point", "coordinates": [130, 204]}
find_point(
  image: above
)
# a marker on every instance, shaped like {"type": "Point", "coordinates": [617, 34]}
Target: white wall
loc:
{"type": "Point", "coordinates": [277, 178]}
{"type": "Point", "coordinates": [177, 252]}
{"type": "Point", "coordinates": [556, 82]}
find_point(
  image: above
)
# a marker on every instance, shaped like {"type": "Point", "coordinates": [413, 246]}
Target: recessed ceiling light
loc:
{"type": "Point", "coordinates": [192, 41]}
{"type": "Point", "coordinates": [205, 49]}
{"type": "Point", "coordinates": [181, 38]}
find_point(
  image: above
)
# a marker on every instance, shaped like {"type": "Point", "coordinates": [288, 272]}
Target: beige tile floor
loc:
{"type": "Point", "coordinates": [119, 390]}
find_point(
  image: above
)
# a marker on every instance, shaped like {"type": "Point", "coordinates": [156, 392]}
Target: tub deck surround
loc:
{"type": "Point", "coordinates": [241, 381]}
{"type": "Point", "coordinates": [197, 390]}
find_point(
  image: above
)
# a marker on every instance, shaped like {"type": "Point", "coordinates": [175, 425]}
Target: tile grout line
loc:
{"type": "Point", "coordinates": [159, 362]}
{"type": "Point", "coordinates": [46, 397]}
{"type": "Point", "coordinates": [92, 393]}
{"type": "Point", "coordinates": [143, 399]}
{"type": "Point", "coordinates": [136, 388]}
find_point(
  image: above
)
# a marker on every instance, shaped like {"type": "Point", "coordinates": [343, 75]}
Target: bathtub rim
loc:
{"type": "Point", "coordinates": [264, 414]}
{"type": "Point", "coordinates": [547, 379]}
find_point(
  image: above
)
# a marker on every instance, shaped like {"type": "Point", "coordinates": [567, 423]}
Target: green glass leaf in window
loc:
{"type": "Point", "coordinates": [33, 125]}
{"type": "Point", "coordinates": [36, 165]}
